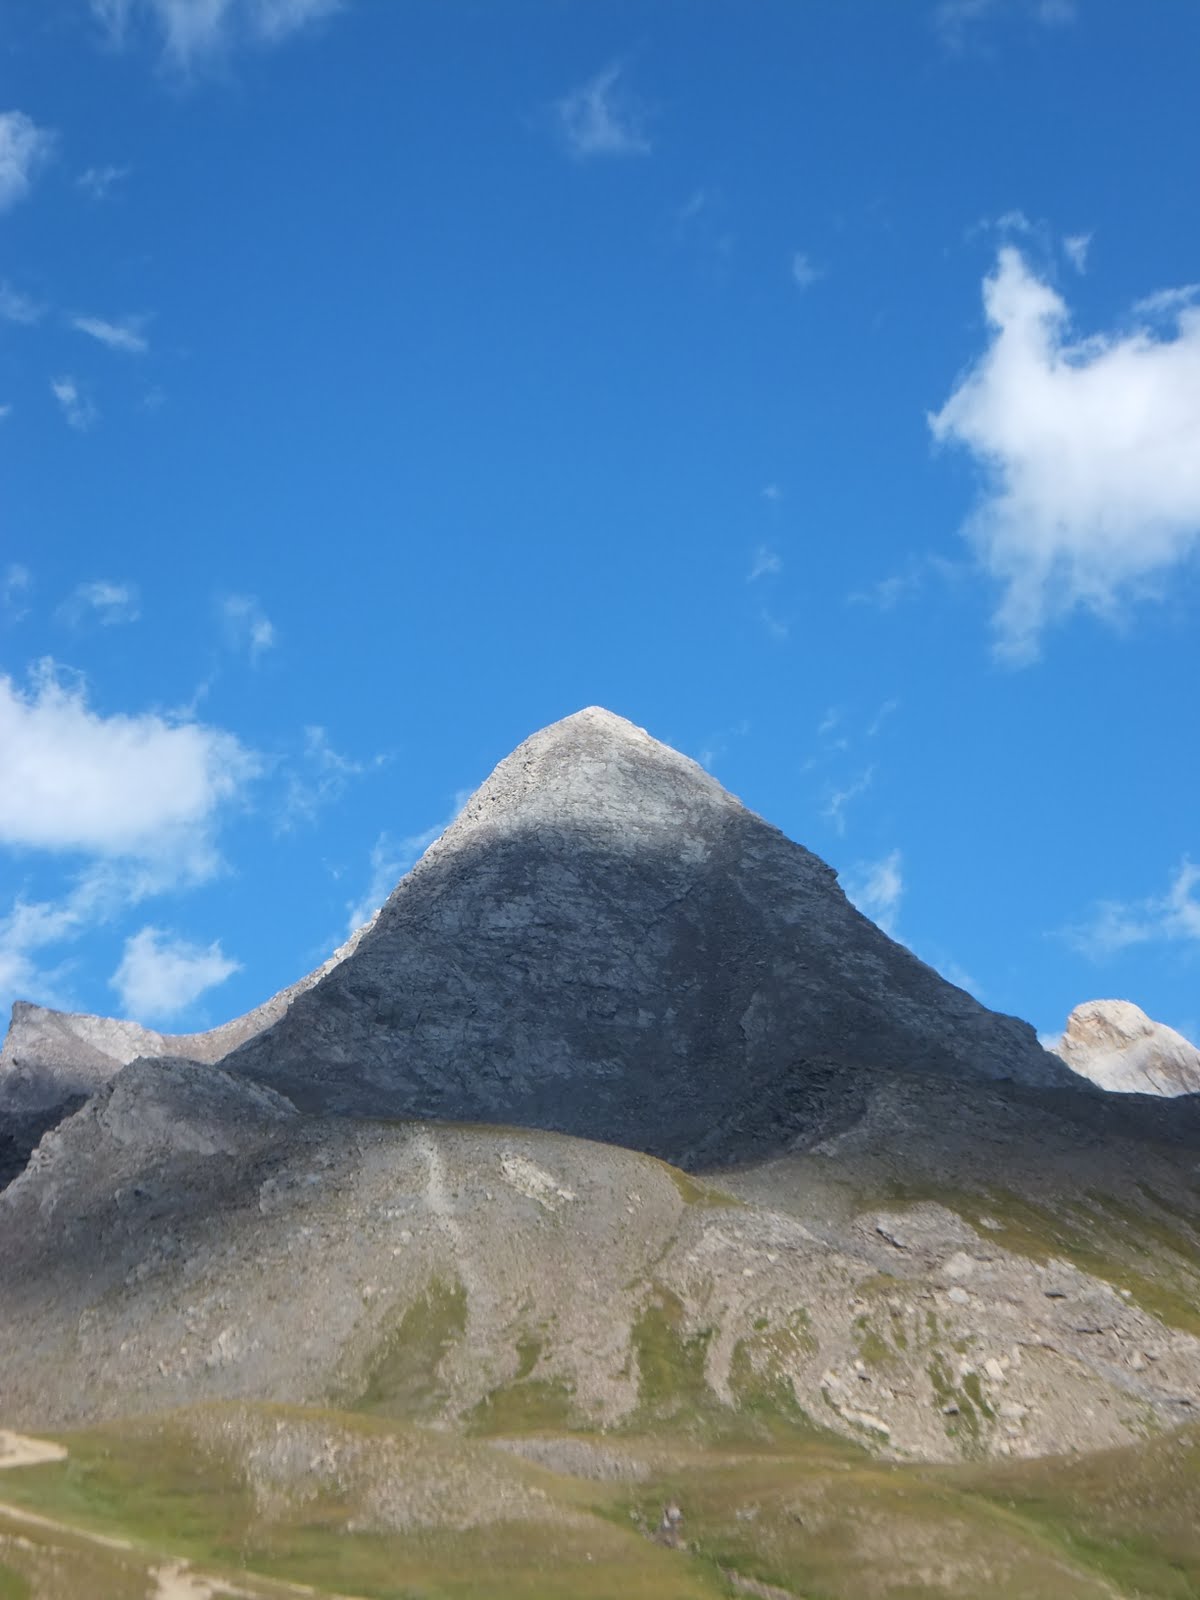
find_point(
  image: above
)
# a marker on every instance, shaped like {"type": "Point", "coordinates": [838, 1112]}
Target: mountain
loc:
{"type": "Point", "coordinates": [1116, 1045]}
{"type": "Point", "coordinates": [384, 1288]}
{"type": "Point", "coordinates": [607, 943]}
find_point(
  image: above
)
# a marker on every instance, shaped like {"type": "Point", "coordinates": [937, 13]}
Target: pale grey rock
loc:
{"type": "Point", "coordinates": [1116, 1045]}
{"type": "Point", "coordinates": [608, 943]}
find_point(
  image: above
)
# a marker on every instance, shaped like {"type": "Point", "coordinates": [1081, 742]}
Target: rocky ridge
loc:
{"type": "Point", "coordinates": [51, 1057]}
{"type": "Point", "coordinates": [1117, 1046]}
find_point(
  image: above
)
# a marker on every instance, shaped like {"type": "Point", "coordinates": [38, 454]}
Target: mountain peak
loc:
{"type": "Point", "coordinates": [608, 943]}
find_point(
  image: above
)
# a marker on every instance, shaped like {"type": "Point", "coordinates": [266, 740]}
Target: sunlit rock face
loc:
{"type": "Point", "coordinates": [607, 943]}
{"type": "Point", "coordinates": [1116, 1045]}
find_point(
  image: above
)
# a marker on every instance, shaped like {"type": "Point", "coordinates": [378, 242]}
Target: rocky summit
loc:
{"type": "Point", "coordinates": [607, 943]}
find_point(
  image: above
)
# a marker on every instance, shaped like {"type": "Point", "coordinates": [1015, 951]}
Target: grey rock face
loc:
{"type": "Point", "coordinates": [1116, 1045]}
{"type": "Point", "coordinates": [607, 943]}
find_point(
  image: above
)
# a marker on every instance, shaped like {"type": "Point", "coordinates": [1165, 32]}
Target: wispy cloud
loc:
{"type": "Point", "coordinates": [877, 888]}
{"type": "Point", "coordinates": [15, 589]}
{"type": "Point", "coordinates": [321, 780]}
{"type": "Point", "coordinates": [192, 31]}
{"type": "Point", "coordinates": [887, 593]}
{"type": "Point", "coordinates": [839, 799]}
{"type": "Point", "coordinates": [958, 22]}
{"type": "Point", "coordinates": [766, 563]}
{"type": "Point", "coordinates": [776, 627]}
{"type": "Point", "coordinates": [886, 710]}
{"type": "Point", "coordinates": [391, 859]}
{"type": "Point", "coordinates": [1115, 925]}
{"type": "Point", "coordinates": [804, 271]}
{"type": "Point", "coordinates": [1075, 248]}
{"type": "Point", "coordinates": [600, 118]}
{"type": "Point", "coordinates": [77, 408]}
{"type": "Point", "coordinates": [102, 601]}
{"type": "Point", "coordinates": [17, 307]}
{"type": "Point", "coordinates": [247, 627]}
{"type": "Point", "coordinates": [96, 182]}
{"type": "Point", "coordinates": [1089, 449]}
{"type": "Point", "coordinates": [125, 335]}
{"type": "Point", "coordinates": [1168, 303]}
{"type": "Point", "coordinates": [24, 151]}
{"type": "Point", "coordinates": [161, 975]}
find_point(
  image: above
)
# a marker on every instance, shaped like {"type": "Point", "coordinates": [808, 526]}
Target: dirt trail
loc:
{"type": "Point", "coordinates": [18, 1450]}
{"type": "Point", "coordinates": [173, 1580]}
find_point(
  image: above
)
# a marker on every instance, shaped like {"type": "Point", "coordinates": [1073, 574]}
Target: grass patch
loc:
{"type": "Point", "coordinates": [13, 1586]}
{"type": "Point", "coordinates": [694, 1193]}
{"type": "Point", "coordinates": [527, 1404]}
{"type": "Point", "coordinates": [401, 1377]}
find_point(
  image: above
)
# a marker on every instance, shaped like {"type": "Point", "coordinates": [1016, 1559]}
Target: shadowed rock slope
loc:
{"type": "Point", "coordinates": [607, 943]}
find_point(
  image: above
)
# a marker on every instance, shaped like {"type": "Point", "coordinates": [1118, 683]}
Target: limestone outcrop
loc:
{"type": "Point", "coordinates": [1116, 1045]}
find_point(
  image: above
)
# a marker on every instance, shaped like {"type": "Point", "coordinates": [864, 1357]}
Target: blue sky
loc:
{"type": "Point", "coordinates": [816, 385]}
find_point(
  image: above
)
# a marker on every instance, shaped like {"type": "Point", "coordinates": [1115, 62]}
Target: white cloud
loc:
{"type": "Point", "coordinates": [804, 272]}
{"type": "Point", "coordinates": [766, 563]}
{"type": "Point", "coordinates": [775, 626]}
{"type": "Point", "coordinates": [24, 151]}
{"type": "Point", "coordinates": [14, 592]}
{"type": "Point", "coordinates": [125, 335]}
{"type": "Point", "coordinates": [192, 30]}
{"type": "Point", "coordinates": [1115, 925]}
{"type": "Point", "coordinates": [247, 626]}
{"type": "Point", "coordinates": [772, 493]}
{"type": "Point", "coordinates": [1091, 451]}
{"type": "Point", "coordinates": [161, 976]}
{"type": "Point", "coordinates": [876, 888]}
{"type": "Point", "coordinates": [599, 119]}
{"type": "Point", "coordinates": [77, 408]}
{"type": "Point", "coordinates": [97, 181]}
{"type": "Point", "coordinates": [114, 786]}
{"type": "Point", "coordinates": [102, 601]}
{"type": "Point", "coordinates": [1075, 247]}
{"type": "Point", "coordinates": [17, 307]}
